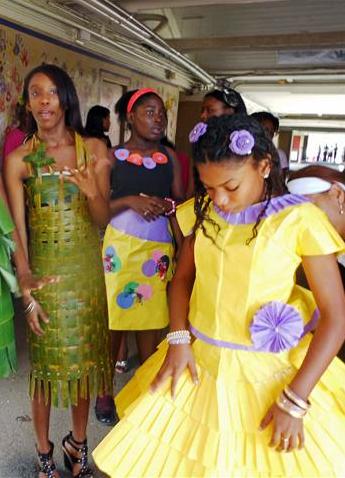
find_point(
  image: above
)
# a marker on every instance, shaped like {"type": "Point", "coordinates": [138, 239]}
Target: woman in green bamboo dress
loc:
{"type": "Point", "coordinates": [64, 183]}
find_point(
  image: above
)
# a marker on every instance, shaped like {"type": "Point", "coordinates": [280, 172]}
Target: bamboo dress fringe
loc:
{"type": "Point", "coordinates": [65, 391]}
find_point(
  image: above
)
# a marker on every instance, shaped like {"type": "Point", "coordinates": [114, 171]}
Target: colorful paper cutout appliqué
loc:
{"type": "Point", "coordinates": [159, 264]}
{"type": "Point", "coordinates": [111, 261]}
{"type": "Point", "coordinates": [133, 293]}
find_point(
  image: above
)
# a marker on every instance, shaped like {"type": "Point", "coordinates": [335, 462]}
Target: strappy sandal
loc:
{"type": "Point", "coordinates": [70, 460]}
{"type": "Point", "coordinates": [46, 463]}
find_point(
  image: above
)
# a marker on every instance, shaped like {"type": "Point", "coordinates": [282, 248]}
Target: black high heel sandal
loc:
{"type": "Point", "coordinates": [71, 460]}
{"type": "Point", "coordinates": [46, 463]}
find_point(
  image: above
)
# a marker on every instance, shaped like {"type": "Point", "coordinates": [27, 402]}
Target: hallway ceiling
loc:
{"type": "Point", "coordinates": [287, 56]}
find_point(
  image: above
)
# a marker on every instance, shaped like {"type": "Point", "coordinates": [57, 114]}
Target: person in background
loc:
{"type": "Point", "coordinates": [15, 134]}
{"type": "Point", "coordinates": [98, 124]}
{"type": "Point", "coordinates": [217, 103]}
{"type": "Point", "coordinates": [325, 187]}
{"type": "Point", "coordinates": [271, 126]}
{"type": "Point", "coordinates": [222, 102]}
{"type": "Point", "coordinates": [227, 392]}
{"type": "Point", "coordinates": [59, 197]}
{"type": "Point", "coordinates": [138, 248]}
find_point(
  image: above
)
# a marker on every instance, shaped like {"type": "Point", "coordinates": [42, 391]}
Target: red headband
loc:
{"type": "Point", "coordinates": [137, 95]}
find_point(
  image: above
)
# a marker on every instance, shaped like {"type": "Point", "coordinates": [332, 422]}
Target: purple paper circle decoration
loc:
{"type": "Point", "coordinates": [149, 163]}
{"type": "Point", "coordinates": [149, 268]}
{"type": "Point", "coordinates": [121, 154]}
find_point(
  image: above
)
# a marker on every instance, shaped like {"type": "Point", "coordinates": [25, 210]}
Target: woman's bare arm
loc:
{"type": "Point", "coordinates": [323, 276]}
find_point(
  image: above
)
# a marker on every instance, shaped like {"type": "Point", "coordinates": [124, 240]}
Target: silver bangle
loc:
{"type": "Point", "coordinates": [290, 407]}
{"type": "Point", "coordinates": [30, 307]}
{"type": "Point", "coordinates": [178, 337]}
{"type": "Point", "coordinates": [291, 395]}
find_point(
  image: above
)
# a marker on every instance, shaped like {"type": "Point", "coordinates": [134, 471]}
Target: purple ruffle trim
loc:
{"type": "Point", "coordinates": [309, 326]}
{"type": "Point", "coordinates": [133, 224]}
{"type": "Point", "coordinates": [251, 213]}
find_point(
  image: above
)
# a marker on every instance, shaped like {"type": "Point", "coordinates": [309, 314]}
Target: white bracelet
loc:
{"type": "Point", "coordinates": [178, 337]}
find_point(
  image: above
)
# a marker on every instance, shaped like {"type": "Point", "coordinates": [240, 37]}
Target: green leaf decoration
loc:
{"type": "Point", "coordinates": [131, 287]}
{"type": "Point", "coordinates": [38, 158]}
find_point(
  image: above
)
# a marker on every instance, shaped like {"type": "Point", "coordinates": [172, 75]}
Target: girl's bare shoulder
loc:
{"type": "Point", "coordinates": [14, 166]}
{"type": "Point", "coordinates": [19, 153]}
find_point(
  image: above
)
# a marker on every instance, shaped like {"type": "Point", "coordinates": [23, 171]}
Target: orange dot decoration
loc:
{"type": "Point", "coordinates": [135, 158]}
{"type": "Point", "coordinates": [159, 158]}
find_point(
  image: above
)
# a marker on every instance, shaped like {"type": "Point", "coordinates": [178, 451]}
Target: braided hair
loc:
{"type": "Point", "coordinates": [213, 146]}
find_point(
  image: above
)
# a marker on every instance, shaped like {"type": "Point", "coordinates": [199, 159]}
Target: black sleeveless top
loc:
{"type": "Point", "coordinates": [128, 179]}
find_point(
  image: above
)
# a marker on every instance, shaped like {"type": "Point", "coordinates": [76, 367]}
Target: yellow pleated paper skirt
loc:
{"type": "Point", "coordinates": [211, 429]}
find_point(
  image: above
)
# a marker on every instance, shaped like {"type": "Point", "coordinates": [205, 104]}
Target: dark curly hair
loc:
{"type": "Point", "coordinates": [213, 147]}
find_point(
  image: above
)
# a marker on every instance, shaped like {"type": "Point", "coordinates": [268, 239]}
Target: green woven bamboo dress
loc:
{"type": "Point", "coordinates": [73, 352]}
{"type": "Point", "coordinates": [8, 284]}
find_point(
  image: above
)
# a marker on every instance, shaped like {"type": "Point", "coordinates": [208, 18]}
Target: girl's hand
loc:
{"type": "Point", "coordinates": [149, 207]}
{"type": "Point", "coordinates": [27, 283]}
{"type": "Point", "coordinates": [177, 359]}
{"type": "Point", "coordinates": [287, 432]}
{"type": "Point", "coordinates": [85, 178]}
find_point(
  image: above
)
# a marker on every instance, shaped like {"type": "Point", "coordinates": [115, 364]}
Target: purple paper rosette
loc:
{"type": "Point", "coordinates": [198, 130]}
{"type": "Point", "coordinates": [241, 142]}
{"type": "Point", "coordinates": [276, 327]}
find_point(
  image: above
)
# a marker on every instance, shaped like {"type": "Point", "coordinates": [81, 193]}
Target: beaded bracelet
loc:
{"type": "Point", "coordinates": [173, 207]}
{"type": "Point", "coordinates": [293, 397]}
{"type": "Point", "coordinates": [178, 337]}
{"type": "Point", "coordinates": [289, 407]}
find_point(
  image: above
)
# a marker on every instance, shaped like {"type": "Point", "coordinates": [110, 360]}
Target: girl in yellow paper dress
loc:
{"type": "Point", "coordinates": [138, 244]}
{"type": "Point", "coordinates": [227, 403]}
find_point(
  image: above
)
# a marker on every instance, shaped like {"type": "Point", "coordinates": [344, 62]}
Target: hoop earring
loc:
{"type": "Point", "coordinates": [341, 209]}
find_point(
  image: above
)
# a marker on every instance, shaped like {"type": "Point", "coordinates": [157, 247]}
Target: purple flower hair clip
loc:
{"type": "Point", "coordinates": [241, 142]}
{"type": "Point", "coordinates": [198, 130]}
